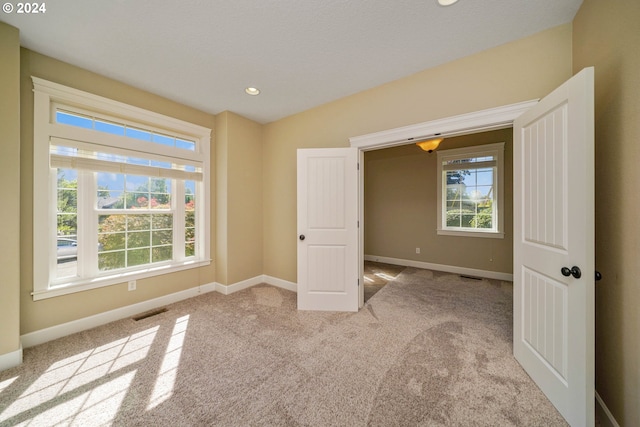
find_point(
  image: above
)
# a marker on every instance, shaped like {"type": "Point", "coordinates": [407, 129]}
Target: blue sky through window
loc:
{"type": "Point", "coordinates": [87, 122]}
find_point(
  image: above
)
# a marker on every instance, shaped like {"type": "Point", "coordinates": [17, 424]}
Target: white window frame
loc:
{"type": "Point", "coordinates": [495, 150]}
{"type": "Point", "coordinates": [48, 97]}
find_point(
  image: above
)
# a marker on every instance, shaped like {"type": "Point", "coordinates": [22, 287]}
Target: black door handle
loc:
{"type": "Point", "coordinates": [302, 237]}
{"type": "Point", "coordinates": [573, 271]}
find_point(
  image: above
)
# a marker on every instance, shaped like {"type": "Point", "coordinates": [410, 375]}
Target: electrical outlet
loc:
{"type": "Point", "coordinates": [132, 285]}
{"type": "Point", "coordinates": [417, 250]}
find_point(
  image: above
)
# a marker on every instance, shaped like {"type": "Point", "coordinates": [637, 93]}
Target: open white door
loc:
{"type": "Point", "coordinates": [553, 311]}
{"type": "Point", "coordinates": [328, 229]}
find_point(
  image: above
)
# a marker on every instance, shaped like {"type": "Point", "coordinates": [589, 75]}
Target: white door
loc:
{"type": "Point", "coordinates": [328, 229]}
{"type": "Point", "coordinates": [553, 243]}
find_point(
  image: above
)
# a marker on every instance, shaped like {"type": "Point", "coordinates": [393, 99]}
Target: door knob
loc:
{"type": "Point", "coordinates": [573, 271]}
{"type": "Point", "coordinates": [301, 237]}
{"type": "Point", "coordinates": [598, 276]}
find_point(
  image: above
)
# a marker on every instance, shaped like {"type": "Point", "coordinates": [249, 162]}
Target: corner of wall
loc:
{"type": "Point", "coordinates": [10, 350]}
{"type": "Point", "coordinates": [221, 198]}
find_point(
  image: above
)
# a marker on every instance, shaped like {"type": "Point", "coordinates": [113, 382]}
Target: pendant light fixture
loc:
{"type": "Point", "coordinates": [430, 144]}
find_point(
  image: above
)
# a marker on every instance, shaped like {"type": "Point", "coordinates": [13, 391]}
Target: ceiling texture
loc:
{"type": "Point", "coordinates": [299, 53]}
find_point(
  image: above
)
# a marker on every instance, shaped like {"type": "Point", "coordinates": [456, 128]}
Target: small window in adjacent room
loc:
{"type": "Point", "coordinates": [470, 193]}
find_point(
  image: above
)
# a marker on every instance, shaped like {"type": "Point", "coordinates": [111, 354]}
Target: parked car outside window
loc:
{"type": "Point", "coordinates": [67, 249]}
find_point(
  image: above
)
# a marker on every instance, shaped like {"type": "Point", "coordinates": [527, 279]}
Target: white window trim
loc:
{"type": "Point", "coordinates": [47, 96]}
{"type": "Point", "coordinates": [497, 150]}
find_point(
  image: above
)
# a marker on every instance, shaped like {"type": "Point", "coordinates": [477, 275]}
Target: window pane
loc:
{"type": "Point", "coordinates": [158, 164]}
{"type": "Point", "coordinates": [160, 193]}
{"type": "Point", "coordinates": [162, 139]}
{"type": "Point", "coordinates": [190, 218]}
{"type": "Point", "coordinates": [111, 260]}
{"type": "Point", "coordinates": [467, 220]}
{"type": "Point", "coordinates": [453, 219]}
{"type": "Point", "coordinates": [138, 239]}
{"type": "Point", "coordinates": [121, 129]}
{"type": "Point", "coordinates": [128, 240]}
{"type": "Point", "coordinates": [163, 253]}
{"type": "Point", "coordinates": [485, 177]}
{"type": "Point", "coordinates": [186, 145]}
{"type": "Point", "coordinates": [190, 249]}
{"type": "Point", "coordinates": [470, 179]}
{"type": "Point", "coordinates": [162, 221]}
{"type": "Point", "coordinates": [162, 237]}
{"type": "Point", "coordinates": [469, 195]}
{"type": "Point", "coordinates": [107, 127]}
{"type": "Point", "coordinates": [456, 177]}
{"type": "Point", "coordinates": [483, 221]}
{"type": "Point", "coordinates": [67, 223]}
{"type": "Point", "coordinates": [138, 257]}
{"type": "Point", "coordinates": [139, 222]}
{"type": "Point", "coordinates": [120, 191]}
{"type": "Point", "coordinates": [74, 120]}
{"type": "Point", "coordinates": [112, 234]}
{"type": "Point", "coordinates": [138, 134]}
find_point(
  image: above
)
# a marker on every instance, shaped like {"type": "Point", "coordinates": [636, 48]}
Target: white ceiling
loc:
{"type": "Point", "coordinates": [299, 53]}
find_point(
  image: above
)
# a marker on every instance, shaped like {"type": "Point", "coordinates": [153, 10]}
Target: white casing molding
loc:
{"type": "Point", "coordinates": [441, 267]}
{"type": "Point", "coordinates": [10, 360]}
{"type": "Point", "coordinates": [478, 121]}
{"type": "Point", "coordinates": [603, 414]}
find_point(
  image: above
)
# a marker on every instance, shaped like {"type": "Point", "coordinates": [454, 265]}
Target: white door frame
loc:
{"type": "Point", "coordinates": [464, 124]}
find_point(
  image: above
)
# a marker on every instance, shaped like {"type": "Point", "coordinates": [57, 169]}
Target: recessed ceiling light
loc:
{"type": "Point", "coordinates": [446, 2]}
{"type": "Point", "coordinates": [252, 91]}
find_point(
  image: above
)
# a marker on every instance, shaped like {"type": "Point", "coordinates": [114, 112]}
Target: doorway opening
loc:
{"type": "Point", "coordinates": [401, 213]}
{"type": "Point", "coordinates": [465, 124]}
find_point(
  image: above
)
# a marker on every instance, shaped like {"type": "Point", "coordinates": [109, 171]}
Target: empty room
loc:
{"type": "Point", "coordinates": [198, 190]}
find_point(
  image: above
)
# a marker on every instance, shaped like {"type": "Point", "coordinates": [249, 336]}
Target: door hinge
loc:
{"type": "Point", "coordinates": [358, 282]}
{"type": "Point", "coordinates": [358, 165]}
{"type": "Point", "coordinates": [358, 224]}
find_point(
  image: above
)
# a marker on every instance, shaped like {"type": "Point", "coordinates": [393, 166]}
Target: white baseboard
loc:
{"type": "Point", "coordinates": [441, 267]}
{"type": "Point", "coordinates": [604, 415]}
{"type": "Point", "coordinates": [54, 332]}
{"type": "Point", "coordinates": [10, 360]}
{"type": "Point", "coordinates": [238, 286]}
{"type": "Point", "coordinates": [280, 283]}
{"type": "Point", "coordinates": [273, 281]}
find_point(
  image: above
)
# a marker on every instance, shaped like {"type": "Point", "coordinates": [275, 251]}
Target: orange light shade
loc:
{"type": "Point", "coordinates": [430, 144]}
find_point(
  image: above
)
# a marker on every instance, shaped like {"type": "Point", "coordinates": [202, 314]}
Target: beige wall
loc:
{"type": "Point", "coordinates": [10, 177]}
{"type": "Point", "coordinates": [400, 209]}
{"type": "Point", "coordinates": [606, 35]}
{"type": "Point", "coordinates": [53, 311]}
{"type": "Point", "coordinates": [239, 203]}
{"type": "Point", "coordinates": [522, 70]}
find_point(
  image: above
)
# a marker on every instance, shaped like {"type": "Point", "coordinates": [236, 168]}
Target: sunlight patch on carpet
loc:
{"type": "Point", "coordinates": [99, 406]}
{"type": "Point", "coordinates": [65, 378]}
{"type": "Point", "coordinates": [6, 383]}
{"type": "Point", "coordinates": [163, 388]}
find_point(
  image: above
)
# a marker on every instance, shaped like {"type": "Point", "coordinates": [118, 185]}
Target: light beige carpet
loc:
{"type": "Point", "coordinates": [428, 349]}
{"type": "Point", "coordinates": [377, 275]}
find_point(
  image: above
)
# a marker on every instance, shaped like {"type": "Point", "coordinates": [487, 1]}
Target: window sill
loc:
{"type": "Point", "coordinates": [484, 234]}
{"type": "Point", "coordinates": [79, 285]}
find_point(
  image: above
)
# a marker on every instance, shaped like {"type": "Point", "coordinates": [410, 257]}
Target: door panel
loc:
{"type": "Point", "coordinates": [554, 228]}
{"type": "Point", "coordinates": [327, 229]}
